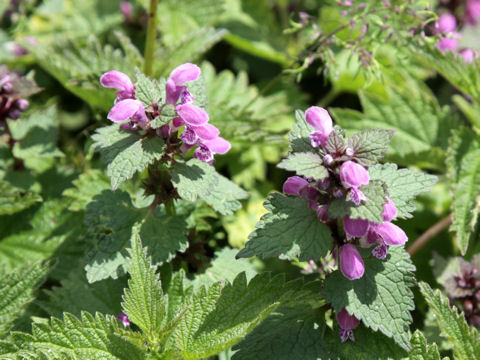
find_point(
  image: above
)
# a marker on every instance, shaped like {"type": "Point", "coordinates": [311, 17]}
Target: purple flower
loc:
{"type": "Point", "coordinates": [353, 174]}
{"type": "Point", "coordinates": [120, 81]}
{"type": "Point", "coordinates": [472, 11]}
{"type": "Point", "coordinates": [124, 319]}
{"type": "Point", "coordinates": [192, 115]}
{"type": "Point", "coordinates": [446, 23]}
{"type": "Point", "coordinates": [321, 121]}
{"type": "Point", "coordinates": [390, 233]}
{"type": "Point", "coordinates": [357, 196]}
{"type": "Point", "coordinates": [127, 10]}
{"type": "Point", "coordinates": [355, 227]}
{"type": "Point", "coordinates": [180, 75]}
{"type": "Point", "coordinates": [126, 109]}
{"type": "Point", "coordinates": [469, 55]}
{"type": "Point", "coordinates": [389, 210]}
{"type": "Point", "coordinates": [347, 323]}
{"type": "Point", "coordinates": [351, 263]}
{"type": "Point", "coordinates": [293, 185]}
{"type": "Point", "coordinates": [380, 252]}
{"type": "Point", "coordinates": [209, 148]}
{"type": "Point", "coordinates": [448, 43]}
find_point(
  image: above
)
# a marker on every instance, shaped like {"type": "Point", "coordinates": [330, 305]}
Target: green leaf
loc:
{"type": "Point", "coordinates": [168, 114]}
{"type": "Point", "coordinates": [17, 289]}
{"type": "Point", "coordinates": [225, 196]}
{"type": "Point", "coordinates": [289, 229]}
{"type": "Point", "coordinates": [371, 209]}
{"type": "Point", "coordinates": [369, 146]}
{"type": "Point", "coordinates": [90, 183]}
{"type": "Point", "coordinates": [110, 219]}
{"type": "Point", "coordinates": [403, 185]}
{"type": "Point", "coordinates": [421, 350]}
{"type": "Point", "coordinates": [465, 339]}
{"type": "Point", "coordinates": [126, 153]}
{"type": "Point", "coordinates": [13, 199]}
{"type": "Point", "coordinates": [194, 179]}
{"type": "Point", "coordinates": [37, 137]}
{"type": "Point", "coordinates": [300, 134]}
{"type": "Point", "coordinates": [382, 298]}
{"type": "Point", "coordinates": [463, 164]}
{"type": "Point", "coordinates": [335, 144]}
{"type": "Point", "coordinates": [307, 164]}
{"type": "Point", "coordinates": [85, 338]}
{"type": "Point", "coordinates": [148, 91]}
{"type": "Point", "coordinates": [143, 300]}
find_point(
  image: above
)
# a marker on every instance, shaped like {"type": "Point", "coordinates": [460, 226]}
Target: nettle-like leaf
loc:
{"type": "Point", "coordinates": [465, 339]}
{"type": "Point", "coordinates": [371, 209]}
{"type": "Point", "coordinates": [225, 196]}
{"type": "Point", "coordinates": [85, 338]}
{"type": "Point", "coordinates": [148, 91]}
{"type": "Point", "coordinates": [88, 184]}
{"type": "Point", "coordinates": [301, 333]}
{"type": "Point", "coordinates": [126, 153]}
{"type": "Point", "coordinates": [464, 172]}
{"type": "Point", "coordinates": [290, 229]}
{"type": "Point", "coordinates": [307, 164]}
{"type": "Point", "coordinates": [14, 199]}
{"type": "Point", "coordinates": [403, 185]}
{"type": "Point", "coordinates": [17, 289]}
{"type": "Point", "coordinates": [300, 134]}
{"type": "Point", "coordinates": [369, 146]}
{"type": "Point", "coordinates": [335, 143]}
{"type": "Point", "coordinates": [382, 298]}
{"type": "Point", "coordinates": [37, 137]}
{"type": "Point", "coordinates": [421, 350]}
{"type": "Point", "coordinates": [110, 219]}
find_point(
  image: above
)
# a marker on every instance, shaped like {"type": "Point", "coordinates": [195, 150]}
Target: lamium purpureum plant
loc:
{"type": "Point", "coordinates": [342, 203]}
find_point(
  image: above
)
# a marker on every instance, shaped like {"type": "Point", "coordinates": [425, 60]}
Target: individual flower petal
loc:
{"type": "Point", "coordinates": [353, 174]}
{"type": "Point", "coordinates": [203, 153]}
{"type": "Point", "coordinates": [321, 121]}
{"type": "Point", "coordinates": [472, 11]}
{"type": "Point", "coordinates": [389, 210]}
{"type": "Point", "coordinates": [469, 55]}
{"type": "Point", "coordinates": [218, 145]}
{"type": "Point", "coordinates": [347, 321]}
{"type": "Point", "coordinates": [447, 44]}
{"type": "Point", "coordinates": [351, 263]}
{"type": "Point", "coordinates": [185, 73]}
{"type": "Point", "coordinates": [126, 109]}
{"type": "Point", "coordinates": [186, 97]}
{"type": "Point", "coordinates": [355, 227]}
{"type": "Point", "coordinates": [446, 23]}
{"type": "Point", "coordinates": [322, 213]}
{"type": "Point", "coordinates": [357, 196]}
{"type": "Point", "coordinates": [172, 92]}
{"type": "Point", "coordinates": [206, 131]}
{"type": "Point", "coordinates": [391, 233]}
{"type": "Point", "coordinates": [192, 115]}
{"type": "Point", "coordinates": [293, 185]}
{"type": "Point", "coordinates": [380, 252]}
{"type": "Point", "coordinates": [124, 319]}
{"type": "Point", "coordinates": [177, 122]}
{"type": "Point", "coordinates": [189, 136]}
{"type": "Point", "coordinates": [120, 81]}
{"type": "Point", "coordinates": [309, 192]}
{"type": "Point", "coordinates": [317, 139]}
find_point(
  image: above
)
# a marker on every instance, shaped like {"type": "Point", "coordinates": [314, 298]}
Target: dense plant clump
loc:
{"type": "Point", "coordinates": [181, 204]}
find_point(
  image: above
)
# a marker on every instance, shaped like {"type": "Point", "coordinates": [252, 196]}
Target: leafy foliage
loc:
{"type": "Point", "coordinates": [369, 146]}
{"type": "Point", "coordinates": [421, 350]}
{"type": "Point", "coordinates": [465, 339]}
{"type": "Point", "coordinates": [289, 229]}
{"type": "Point", "coordinates": [305, 164]}
{"type": "Point", "coordinates": [13, 199]}
{"type": "Point", "coordinates": [382, 298]}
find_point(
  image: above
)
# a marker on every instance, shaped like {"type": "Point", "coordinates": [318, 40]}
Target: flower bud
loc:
{"type": "Point", "coordinates": [351, 263]}
{"type": "Point", "coordinates": [447, 44]}
{"type": "Point", "coordinates": [328, 160]}
{"type": "Point", "coordinates": [124, 319]}
{"type": "Point", "coordinates": [321, 121]}
{"type": "Point", "coordinates": [391, 233]}
{"type": "Point", "coordinates": [446, 23]}
{"type": "Point", "coordinates": [353, 174]}
{"type": "Point", "coordinates": [389, 210]}
{"type": "Point", "coordinates": [347, 323]}
{"type": "Point", "coordinates": [120, 81]}
{"type": "Point", "coordinates": [293, 185]}
{"type": "Point", "coordinates": [349, 152]}
{"type": "Point", "coordinates": [355, 227]}
{"type": "Point", "coordinates": [22, 104]}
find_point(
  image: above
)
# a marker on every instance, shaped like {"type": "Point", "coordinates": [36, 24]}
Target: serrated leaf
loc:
{"type": "Point", "coordinates": [168, 114]}
{"type": "Point", "coordinates": [382, 298]}
{"type": "Point", "coordinates": [194, 179]}
{"type": "Point", "coordinates": [335, 144]}
{"type": "Point", "coordinates": [371, 209]}
{"type": "Point", "coordinates": [225, 196]}
{"type": "Point", "coordinates": [17, 289]}
{"type": "Point", "coordinates": [403, 185]}
{"type": "Point", "coordinates": [148, 91]}
{"type": "Point", "coordinates": [126, 153]}
{"type": "Point", "coordinates": [88, 184]}
{"type": "Point", "coordinates": [307, 164]}
{"type": "Point", "coordinates": [85, 338]}
{"type": "Point", "coordinates": [13, 199]}
{"type": "Point", "coordinates": [300, 134]}
{"type": "Point", "coordinates": [463, 164]}
{"type": "Point", "coordinates": [143, 300]}
{"type": "Point", "coordinates": [465, 339]}
{"type": "Point", "coordinates": [421, 350]}
{"type": "Point", "coordinates": [110, 219]}
{"type": "Point", "coordinates": [290, 229]}
{"type": "Point", "coordinates": [369, 146]}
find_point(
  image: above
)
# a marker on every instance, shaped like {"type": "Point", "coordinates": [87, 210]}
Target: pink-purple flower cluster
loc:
{"type": "Point", "coordinates": [194, 120]}
{"type": "Point", "coordinates": [11, 103]}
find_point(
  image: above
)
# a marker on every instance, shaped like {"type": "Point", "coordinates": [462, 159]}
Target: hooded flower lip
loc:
{"type": "Point", "coordinates": [293, 185]}
{"type": "Point", "coordinates": [355, 227]}
{"type": "Point", "coordinates": [353, 174]}
{"type": "Point", "coordinates": [347, 323]}
{"type": "Point", "coordinates": [209, 148]}
{"type": "Point", "coordinates": [120, 81]}
{"type": "Point", "coordinates": [390, 233]}
{"type": "Point", "coordinates": [192, 114]}
{"type": "Point", "coordinates": [389, 210]}
{"type": "Point", "coordinates": [126, 109]}
{"type": "Point", "coordinates": [446, 23]}
{"type": "Point", "coordinates": [180, 75]}
{"type": "Point", "coordinates": [321, 121]}
{"type": "Point", "coordinates": [351, 263]}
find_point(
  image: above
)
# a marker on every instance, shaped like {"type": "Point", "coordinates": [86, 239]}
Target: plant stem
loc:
{"type": "Point", "coordinates": [327, 99]}
{"type": "Point", "coordinates": [170, 208]}
{"type": "Point", "coordinates": [429, 234]}
{"type": "Point", "coordinates": [151, 35]}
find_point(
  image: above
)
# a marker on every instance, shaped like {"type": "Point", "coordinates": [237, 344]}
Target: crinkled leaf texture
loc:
{"type": "Point", "coordinates": [465, 339]}
{"type": "Point", "coordinates": [369, 146]}
{"type": "Point", "coordinates": [110, 218]}
{"type": "Point", "coordinates": [371, 209]}
{"type": "Point", "coordinates": [300, 134]}
{"type": "Point", "coordinates": [290, 229]}
{"type": "Point", "coordinates": [306, 164]}
{"type": "Point", "coordinates": [148, 91]}
{"type": "Point", "coordinates": [225, 196]}
{"type": "Point", "coordinates": [17, 289]}
{"type": "Point", "coordinates": [421, 350]}
{"type": "Point", "coordinates": [382, 298]}
{"type": "Point", "coordinates": [85, 338]}
{"type": "Point", "coordinates": [403, 185]}
{"type": "Point", "coordinates": [14, 199]}
{"type": "Point", "coordinates": [126, 153]}
{"type": "Point", "coordinates": [299, 332]}
{"type": "Point", "coordinates": [463, 163]}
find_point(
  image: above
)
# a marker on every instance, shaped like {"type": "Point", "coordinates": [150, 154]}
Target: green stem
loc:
{"type": "Point", "coordinates": [170, 208]}
{"type": "Point", "coordinates": [151, 35]}
{"type": "Point", "coordinates": [327, 99]}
